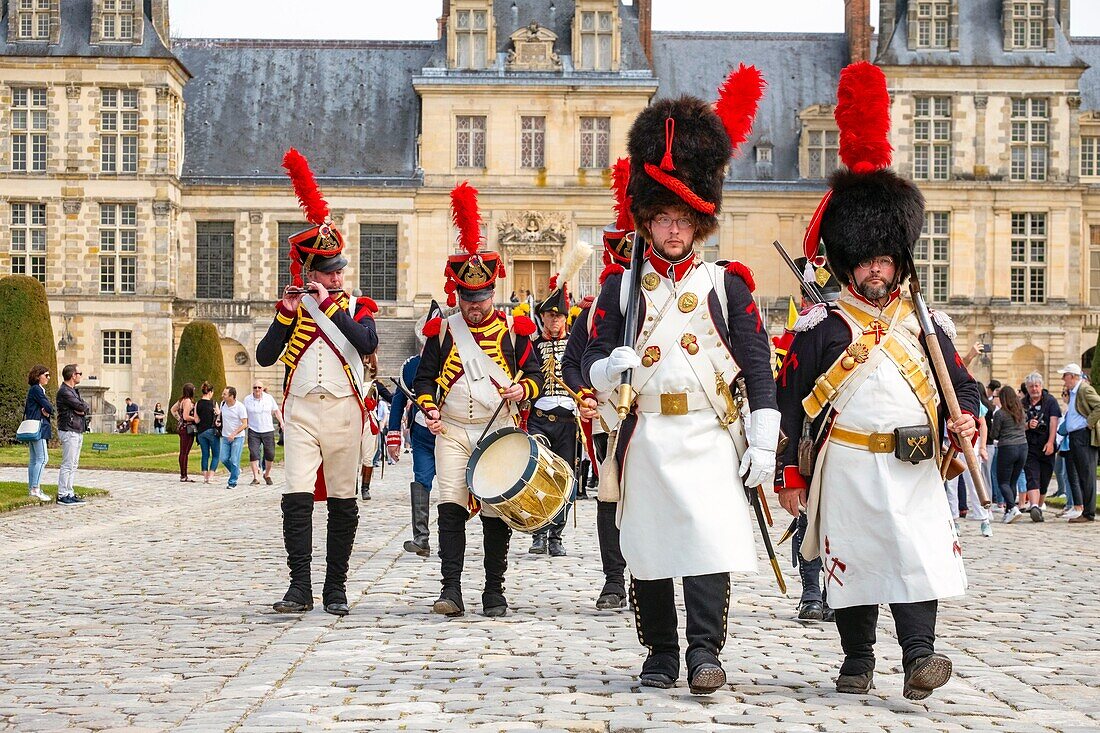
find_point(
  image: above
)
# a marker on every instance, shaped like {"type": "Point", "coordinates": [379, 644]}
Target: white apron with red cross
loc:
{"type": "Point", "coordinates": [884, 528]}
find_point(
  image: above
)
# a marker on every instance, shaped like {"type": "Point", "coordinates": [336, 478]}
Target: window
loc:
{"type": "Point", "coordinates": [286, 228]}
{"type": "Point", "coordinates": [932, 132]}
{"type": "Point", "coordinates": [118, 20]}
{"type": "Point", "coordinates": [1030, 124]}
{"type": "Point", "coordinates": [1029, 257]}
{"type": "Point", "coordinates": [118, 127]}
{"type": "Point", "coordinates": [824, 153]}
{"type": "Point", "coordinates": [1090, 146]}
{"type": "Point", "coordinates": [118, 248]}
{"type": "Point", "coordinates": [931, 255]}
{"type": "Point", "coordinates": [378, 260]}
{"type": "Point", "coordinates": [595, 142]}
{"type": "Point", "coordinates": [1029, 24]}
{"type": "Point", "coordinates": [28, 129]}
{"type": "Point", "coordinates": [471, 141]}
{"type": "Point", "coordinates": [28, 240]}
{"type": "Point", "coordinates": [532, 142]}
{"type": "Point", "coordinates": [471, 38]}
{"type": "Point", "coordinates": [1094, 264]}
{"type": "Point", "coordinates": [588, 278]}
{"type": "Point", "coordinates": [214, 259]}
{"type": "Point", "coordinates": [709, 248]}
{"type": "Point", "coordinates": [117, 347]}
{"type": "Point", "coordinates": [34, 20]}
{"type": "Point", "coordinates": [933, 24]}
{"type": "Point", "coordinates": [596, 40]}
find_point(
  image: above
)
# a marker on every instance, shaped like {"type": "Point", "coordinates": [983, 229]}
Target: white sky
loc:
{"type": "Point", "coordinates": [416, 19]}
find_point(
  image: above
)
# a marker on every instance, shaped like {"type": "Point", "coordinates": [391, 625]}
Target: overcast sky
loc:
{"type": "Point", "coordinates": [416, 19]}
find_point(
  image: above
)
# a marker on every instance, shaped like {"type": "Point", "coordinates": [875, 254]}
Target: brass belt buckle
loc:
{"type": "Point", "coordinates": [881, 442]}
{"type": "Point", "coordinates": [674, 403]}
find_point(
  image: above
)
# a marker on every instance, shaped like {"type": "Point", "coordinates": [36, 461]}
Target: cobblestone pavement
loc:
{"type": "Point", "coordinates": [151, 610]}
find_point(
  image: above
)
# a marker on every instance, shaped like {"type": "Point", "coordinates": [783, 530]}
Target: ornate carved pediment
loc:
{"type": "Point", "coordinates": [532, 227]}
{"type": "Point", "coordinates": [533, 50]}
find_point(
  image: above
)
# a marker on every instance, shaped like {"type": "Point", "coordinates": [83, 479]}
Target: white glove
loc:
{"type": "Point", "coordinates": [758, 463]}
{"type": "Point", "coordinates": [605, 373]}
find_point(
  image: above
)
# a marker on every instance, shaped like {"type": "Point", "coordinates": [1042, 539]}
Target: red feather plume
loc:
{"type": "Point", "coordinates": [738, 99]}
{"type": "Point", "coordinates": [305, 187]}
{"type": "Point", "coordinates": [863, 116]}
{"type": "Point", "coordinates": [620, 177]}
{"type": "Point", "coordinates": [432, 327]}
{"type": "Point", "coordinates": [466, 217]}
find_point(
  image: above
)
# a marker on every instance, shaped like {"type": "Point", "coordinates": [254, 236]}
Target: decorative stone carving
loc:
{"type": "Point", "coordinates": [980, 101]}
{"type": "Point", "coordinates": [337, 217]}
{"type": "Point", "coordinates": [532, 227]}
{"type": "Point", "coordinates": [533, 50]}
{"type": "Point", "coordinates": [256, 217]}
{"type": "Point", "coordinates": [1074, 102]}
{"type": "Point", "coordinates": [72, 91]}
{"type": "Point", "coordinates": [71, 207]}
{"type": "Point", "coordinates": [161, 209]}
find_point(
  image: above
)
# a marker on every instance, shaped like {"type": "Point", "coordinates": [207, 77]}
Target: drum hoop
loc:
{"type": "Point", "coordinates": [524, 479]}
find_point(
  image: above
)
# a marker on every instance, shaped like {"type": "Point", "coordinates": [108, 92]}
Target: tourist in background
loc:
{"type": "Point", "coordinates": [207, 434]}
{"type": "Point", "coordinates": [132, 419]}
{"type": "Point", "coordinates": [1009, 426]}
{"type": "Point", "coordinates": [262, 414]}
{"type": "Point", "coordinates": [38, 407]}
{"type": "Point", "coordinates": [1043, 414]}
{"type": "Point", "coordinates": [234, 424]}
{"type": "Point", "coordinates": [184, 410]}
{"type": "Point", "coordinates": [72, 416]}
{"type": "Point", "coordinates": [1081, 425]}
{"type": "Point", "coordinates": [158, 419]}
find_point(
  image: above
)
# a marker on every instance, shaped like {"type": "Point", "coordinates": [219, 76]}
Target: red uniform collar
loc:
{"type": "Point", "coordinates": [674, 271]}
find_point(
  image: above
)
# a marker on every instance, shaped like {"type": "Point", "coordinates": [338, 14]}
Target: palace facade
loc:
{"type": "Point", "coordinates": [140, 175]}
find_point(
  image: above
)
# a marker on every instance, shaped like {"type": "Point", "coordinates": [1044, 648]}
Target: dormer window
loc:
{"type": "Point", "coordinates": [1029, 24]}
{"type": "Point", "coordinates": [932, 24]}
{"type": "Point", "coordinates": [33, 20]}
{"type": "Point", "coordinates": [471, 39]}
{"type": "Point", "coordinates": [118, 20]}
{"type": "Point", "coordinates": [595, 35]}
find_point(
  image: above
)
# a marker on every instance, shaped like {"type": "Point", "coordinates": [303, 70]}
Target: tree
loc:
{"type": "Point", "coordinates": [26, 339]}
{"type": "Point", "coordinates": [198, 360]}
{"type": "Point", "coordinates": [1094, 372]}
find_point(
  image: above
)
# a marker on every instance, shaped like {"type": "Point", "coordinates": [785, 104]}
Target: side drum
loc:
{"type": "Point", "coordinates": [521, 478]}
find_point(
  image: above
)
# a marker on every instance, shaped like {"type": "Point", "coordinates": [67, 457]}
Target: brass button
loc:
{"type": "Point", "coordinates": [322, 397]}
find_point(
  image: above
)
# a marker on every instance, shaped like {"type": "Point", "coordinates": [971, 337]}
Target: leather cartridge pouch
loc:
{"type": "Point", "coordinates": [914, 443]}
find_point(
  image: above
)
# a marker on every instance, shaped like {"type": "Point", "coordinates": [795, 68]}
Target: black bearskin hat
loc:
{"type": "Point", "coordinates": [693, 161]}
{"type": "Point", "coordinates": [871, 215]}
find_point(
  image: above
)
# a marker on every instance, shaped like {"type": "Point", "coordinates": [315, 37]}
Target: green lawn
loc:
{"type": "Point", "coordinates": [143, 452]}
{"type": "Point", "coordinates": [13, 494]}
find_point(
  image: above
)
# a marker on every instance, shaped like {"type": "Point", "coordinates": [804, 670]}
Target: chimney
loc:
{"type": "Point", "coordinates": [644, 8]}
{"type": "Point", "coordinates": [1063, 16]}
{"type": "Point", "coordinates": [158, 13]}
{"type": "Point", "coordinates": [887, 19]}
{"type": "Point", "coordinates": [857, 27]}
{"type": "Point", "coordinates": [442, 21]}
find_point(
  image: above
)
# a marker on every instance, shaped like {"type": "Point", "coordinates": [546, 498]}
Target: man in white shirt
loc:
{"type": "Point", "coordinates": [262, 413]}
{"type": "Point", "coordinates": [234, 424]}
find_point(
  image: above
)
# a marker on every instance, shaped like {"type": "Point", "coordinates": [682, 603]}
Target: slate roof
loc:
{"type": "Point", "coordinates": [801, 70]}
{"type": "Point", "coordinates": [76, 22]}
{"type": "Point", "coordinates": [1088, 50]}
{"type": "Point", "coordinates": [348, 106]}
{"type": "Point", "coordinates": [557, 16]}
{"type": "Point", "coordinates": [981, 43]}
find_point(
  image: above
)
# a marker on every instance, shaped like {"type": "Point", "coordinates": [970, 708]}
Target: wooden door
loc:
{"type": "Point", "coordinates": [533, 275]}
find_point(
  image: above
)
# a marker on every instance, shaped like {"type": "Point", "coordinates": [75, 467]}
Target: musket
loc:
{"type": "Point", "coordinates": [630, 323]}
{"type": "Point", "coordinates": [810, 290]}
{"type": "Point", "coordinates": [943, 376]}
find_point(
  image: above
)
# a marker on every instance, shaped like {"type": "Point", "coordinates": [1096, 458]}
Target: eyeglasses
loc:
{"type": "Point", "coordinates": [666, 221]}
{"type": "Point", "coordinates": [257, 388]}
{"type": "Point", "coordinates": [79, 374]}
{"type": "Point", "coordinates": [880, 261]}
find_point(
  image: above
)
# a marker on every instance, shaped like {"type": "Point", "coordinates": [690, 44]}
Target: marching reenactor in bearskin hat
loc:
{"type": "Point", "coordinates": [596, 412]}
{"type": "Point", "coordinates": [321, 335]}
{"type": "Point", "coordinates": [857, 386]}
{"type": "Point", "coordinates": [470, 363]}
{"type": "Point", "coordinates": [554, 413]}
{"type": "Point", "coordinates": [681, 455]}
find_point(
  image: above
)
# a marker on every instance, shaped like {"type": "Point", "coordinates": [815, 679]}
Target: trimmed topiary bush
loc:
{"type": "Point", "coordinates": [198, 359]}
{"type": "Point", "coordinates": [26, 339]}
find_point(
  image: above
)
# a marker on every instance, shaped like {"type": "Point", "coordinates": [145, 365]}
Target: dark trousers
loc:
{"type": "Point", "coordinates": [808, 570]}
{"type": "Point", "coordinates": [186, 441]}
{"type": "Point", "coordinates": [1038, 469]}
{"type": "Point", "coordinates": [559, 427]}
{"type": "Point", "coordinates": [611, 557]}
{"type": "Point", "coordinates": [1010, 462]}
{"type": "Point", "coordinates": [915, 624]}
{"type": "Point", "coordinates": [706, 599]}
{"type": "Point", "coordinates": [1081, 466]}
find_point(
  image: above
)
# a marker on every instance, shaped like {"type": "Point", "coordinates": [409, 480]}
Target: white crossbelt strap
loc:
{"type": "Point", "coordinates": [479, 369]}
{"type": "Point", "coordinates": [348, 353]}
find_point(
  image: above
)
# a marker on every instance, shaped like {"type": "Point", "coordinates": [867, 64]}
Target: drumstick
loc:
{"type": "Point", "coordinates": [553, 376]}
{"type": "Point", "coordinates": [412, 399]}
{"type": "Point", "coordinates": [493, 419]}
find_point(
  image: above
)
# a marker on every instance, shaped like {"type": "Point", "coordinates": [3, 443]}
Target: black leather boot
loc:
{"type": "Point", "coordinates": [538, 543]}
{"type": "Point", "coordinates": [343, 519]}
{"type": "Point", "coordinates": [497, 536]}
{"type": "Point", "coordinates": [654, 604]}
{"type": "Point", "coordinates": [554, 546]}
{"type": "Point", "coordinates": [706, 599]}
{"type": "Point", "coordinates": [452, 554]}
{"type": "Point", "coordinates": [298, 540]}
{"type": "Point", "coordinates": [613, 594]}
{"type": "Point", "coordinates": [364, 482]}
{"type": "Point", "coordinates": [420, 499]}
